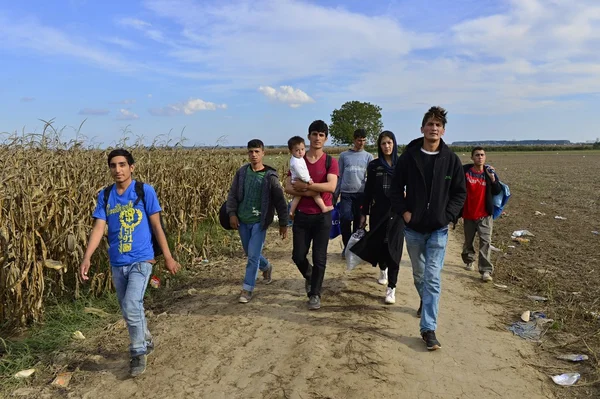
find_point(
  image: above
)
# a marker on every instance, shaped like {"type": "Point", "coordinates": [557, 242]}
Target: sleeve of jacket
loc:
{"type": "Point", "coordinates": [397, 198]}
{"type": "Point", "coordinates": [458, 191]}
{"type": "Point", "coordinates": [496, 187]}
{"type": "Point", "coordinates": [279, 201]}
{"type": "Point", "coordinates": [369, 190]}
{"type": "Point", "coordinates": [232, 201]}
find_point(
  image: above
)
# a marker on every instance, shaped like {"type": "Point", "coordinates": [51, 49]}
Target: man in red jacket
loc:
{"type": "Point", "coordinates": [482, 185]}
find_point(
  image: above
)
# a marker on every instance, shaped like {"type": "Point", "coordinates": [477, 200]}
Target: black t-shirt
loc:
{"type": "Point", "coordinates": [428, 160]}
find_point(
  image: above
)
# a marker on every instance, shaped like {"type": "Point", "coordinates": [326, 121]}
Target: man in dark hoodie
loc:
{"type": "Point", "coordinates": [254, 196]}
{"type": "Point", "coordinates": [482, 184]}
{"type": "Point", "coordinates": [433, 178]}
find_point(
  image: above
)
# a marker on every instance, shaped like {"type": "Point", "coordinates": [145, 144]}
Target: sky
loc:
{"type": "Point", "coordinates": [226, 71]}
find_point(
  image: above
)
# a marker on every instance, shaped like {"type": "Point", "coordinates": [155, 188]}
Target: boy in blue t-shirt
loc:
{"type": "Point", "coordinates": [131, 224]}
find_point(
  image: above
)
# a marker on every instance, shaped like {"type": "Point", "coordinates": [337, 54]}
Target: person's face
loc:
{"type": "Point", "coordinates": [317, 139]}
{"type": "Point", "coordinates": [255, 155]}
{"type": "Point", "coordinates": [120, 170]}
{"type": "Point", "coordinates": [433, 130]}
{"type": "Point", "coordinates": [387, 146]}
{"type": "Point", "coordinates": [298, 150]}
{"type": "Point", "coordinates": [478, 157]}
{"type": "Point", "coordinates": [359, 143]}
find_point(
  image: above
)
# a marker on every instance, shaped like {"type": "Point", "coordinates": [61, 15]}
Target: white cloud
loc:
{"type": "Point", "coordinates": [287, 95]}
{"type": "Point", "coordinates": [189, 107]}
{"type": "Point", "coordinates": [144, 27]}
{"type": "Point", "coordinates": [127, 101]}
{"type": "Point", "coordinates": [94, 111]}
{"type": "Point", "coordinates": [124, 43]}
{"type": "Point", "coordinates": [149, 96]}
{"type": "Point", "coordinates": [127, 115]}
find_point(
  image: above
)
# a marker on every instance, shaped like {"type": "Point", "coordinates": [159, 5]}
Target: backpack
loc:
{"type": "Point", "coordinates": [139, 191]}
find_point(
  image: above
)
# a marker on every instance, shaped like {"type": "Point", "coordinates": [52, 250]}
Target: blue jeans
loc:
{"type": "Point", "coordinates": [253, 239]}
{"type": "Point", "coordinates": [427, 253]}
{"type": "Point", "coordinates": [130, 283]}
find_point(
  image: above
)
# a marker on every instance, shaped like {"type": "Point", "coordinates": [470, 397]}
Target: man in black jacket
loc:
{"type": "Point", "coordinates": [433, 178]}
{"type": "Point", "coordinates": [482, 184]}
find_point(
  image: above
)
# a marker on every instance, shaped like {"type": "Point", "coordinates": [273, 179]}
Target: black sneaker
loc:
{"type": "Point", "coordinates": [420, 309]}
{"type": "Point", "coordinates": [430, 340]}
{"type": "Point", "coordinates": [314, 302]}
{"type": "Point", "coordinates": [137, 365]}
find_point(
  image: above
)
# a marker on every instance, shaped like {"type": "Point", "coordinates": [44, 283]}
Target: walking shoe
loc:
{"type": "Point", "coordinates": [383, 277]}
{"type": "Point", "coordinates": [430, 340]}
{"type": "Point", "coordinates": [307, 286]}
{"type": "Point", "coordinates": [469, 266]}
{"type": "Point", "coordinates": [245, 296]}
{"type": "Point", "coordinates": [149, 347]}
{"type": "Point", "coordinates": [420, 309]}
{"type": "Point", "coordinates": [486, 276]}
{"type": "Point", "coordinates": [314, 302]}
{"type": "Point", "coordinates": [267, 274]}
{"type": "Point", "coordinates": [137, 365]}
{"type": "Point", "coordinates": [390, 295]}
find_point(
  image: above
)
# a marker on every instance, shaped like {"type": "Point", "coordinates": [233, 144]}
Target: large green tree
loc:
{"type": "Point", "coordinates": [351, 116]}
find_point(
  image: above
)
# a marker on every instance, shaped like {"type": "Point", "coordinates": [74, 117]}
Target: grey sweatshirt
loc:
{"type": "Point", "coordinates": [353, 171]}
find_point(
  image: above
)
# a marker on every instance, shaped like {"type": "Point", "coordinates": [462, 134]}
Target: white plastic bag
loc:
{"type": "Point", "coordinates": [353, 260]}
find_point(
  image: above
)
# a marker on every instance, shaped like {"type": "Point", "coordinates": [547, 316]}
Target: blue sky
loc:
{"type": "Point", "coordinates": [228, 71]}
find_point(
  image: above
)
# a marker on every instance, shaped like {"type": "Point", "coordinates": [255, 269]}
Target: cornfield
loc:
{"type": "Point", "coordinates": [48, 191]}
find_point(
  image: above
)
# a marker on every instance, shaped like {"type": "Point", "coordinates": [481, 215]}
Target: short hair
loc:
{"type": "Point", "coordinates": [256, 143]}
{"type": "Point", "coordinates": [360, 133]}
{"type": "Point", "coordinates": [121, 152]}
{"type": "Point", "coordinates": [318, 126]}
{"type": "Point", "coordinates": [437, 113]}
{"type": "Point", "coordinates": [478, 148]}
{"type": "Point", "coordinates": [294, 141]}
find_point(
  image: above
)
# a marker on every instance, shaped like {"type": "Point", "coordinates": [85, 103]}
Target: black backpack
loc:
{"type": "Point", "coordinates": [224, 217]}
{"type": "Point", "coordinates": [141, 196]}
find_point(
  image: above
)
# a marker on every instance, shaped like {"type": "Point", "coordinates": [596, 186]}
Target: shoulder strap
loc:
{"type": "Point", "coordinates": [327, 162]}
{"type": "Point", "coordinates": [106, 193]}
{"type": "Point", "coordinates": [139, 191]}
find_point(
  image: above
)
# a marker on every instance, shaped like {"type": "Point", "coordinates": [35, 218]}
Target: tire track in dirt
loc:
{"type": "Point", "coordinates": [209, 346]}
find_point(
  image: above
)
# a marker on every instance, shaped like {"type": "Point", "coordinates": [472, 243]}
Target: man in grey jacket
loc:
{"type": "Point", "coordinates": [253, 197]}
{"type": "Point", "coordinates": [351, 184]}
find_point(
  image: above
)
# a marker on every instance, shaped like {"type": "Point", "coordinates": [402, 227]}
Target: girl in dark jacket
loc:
{"type": "Point", "coordinates": [386, 238]}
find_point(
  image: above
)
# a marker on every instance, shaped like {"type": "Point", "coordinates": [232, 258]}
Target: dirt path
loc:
{"type": "Point", "coordinates": [209, 346]}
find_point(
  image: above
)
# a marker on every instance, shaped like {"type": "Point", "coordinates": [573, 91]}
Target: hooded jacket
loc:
{"type": "Point", "coordinates": [272, 197]}
{"type": "Point", "coordinates": [448, 190]}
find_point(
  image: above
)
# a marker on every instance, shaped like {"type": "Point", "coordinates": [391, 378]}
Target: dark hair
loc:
{"type": "Point", "coordinates": [256, 143]}
{"type": "Point", "coordinates": [477, 149]}
{"type": "Point", "coordinates": [360, 133]}
{"type": "Point", "coordinates": [294, 141]}
{"type": "Point", "coordinates": [121, 152]}
{"type": "Point", "coordinates": [437, 113]}
{"type": "Point", "coordinates": [318, 126]}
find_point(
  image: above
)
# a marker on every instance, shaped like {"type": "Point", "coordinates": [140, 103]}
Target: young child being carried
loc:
{"type": "Point", "coordinates": [300, 172]}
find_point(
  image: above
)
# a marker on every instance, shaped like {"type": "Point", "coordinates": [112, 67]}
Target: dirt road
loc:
{"type": "Point", "coordinates": [209, 346]}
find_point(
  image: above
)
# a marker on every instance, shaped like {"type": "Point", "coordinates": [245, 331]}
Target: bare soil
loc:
{"type": "Point", "coordinates": [355, 346]}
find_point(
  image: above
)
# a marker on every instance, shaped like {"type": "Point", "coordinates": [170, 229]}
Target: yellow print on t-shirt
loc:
{"type": "Point", "coordinates": [129, 219]}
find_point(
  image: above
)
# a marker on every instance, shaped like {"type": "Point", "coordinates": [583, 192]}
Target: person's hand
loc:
{"type": "Point", "coordinates": [172, 265]}
{"type": "Point", "coordinates": [363, 221]}
{"type": "Point", "coordinates": [407, 216]}
{"type": "Point", "coordinates": [489, 169]}
{"type": "Point", "coordinates": [283, 232]}
{"type": "Point", "coordinates": [234, 222]}
{"type": "Point", "coordinates": [84, 268]}
{"type": "Point", "coordinates": [299, 185]}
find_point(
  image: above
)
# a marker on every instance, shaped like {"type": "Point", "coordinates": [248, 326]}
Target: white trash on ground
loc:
{"type": "Point", "coordinates": [560, 218]}
{"type": "Point", "coordinates": [573, 357]}
{"type": "Point", "coordinates": [522, 233]}
{"type": "Point", "coordinates": [24, 373]}
{"type": "Point", "coordinates": [566, 379]}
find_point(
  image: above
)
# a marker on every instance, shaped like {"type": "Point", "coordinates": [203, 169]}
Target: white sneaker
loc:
{"type": "Point", "coordinates": [383, 277]}
{"type": "Point", "coordinates": [390, 295]}
{"type": "Point", "coordinates": [469, 266]}
{"type": "Point", "coordinates": [486, 277]}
